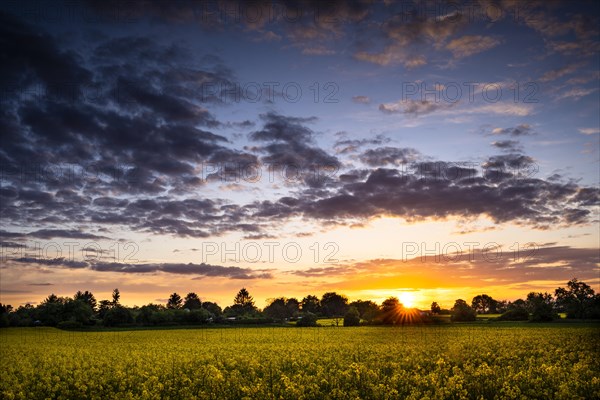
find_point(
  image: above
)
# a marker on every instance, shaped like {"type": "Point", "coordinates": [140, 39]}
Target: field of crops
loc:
{"type": "Point", "coordinates": [457, 361]}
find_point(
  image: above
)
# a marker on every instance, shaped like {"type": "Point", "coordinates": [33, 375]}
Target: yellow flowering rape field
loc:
{"type": "Point", "coordinates": [445, 362]}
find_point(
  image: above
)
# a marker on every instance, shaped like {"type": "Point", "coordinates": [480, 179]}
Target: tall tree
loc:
{"type": "Point", "coordinates": [293, 306]}
{"type": "Point", "coordinates": [541, 307]}
{"type": "Point", "coordinates": [462, 311]}
{"type": "Point", "coordinates": [578, 299]}
{"type": "Point", "coordinates": [87, 297]}
{"type": "Point", "coordinates": [103, 308]}
{"type": "Point", "coordinates": [174, 301]}
{"type": "Point", "coordinates": [192, 301]}
{"type": "Point", "coordinates": [243, 298]}
{"type": "Point", "coordinates": [334, 305]}
{"type": "Point", "coordinates": [484, 304]}
{"type": "Point", "coordinates": [116, 296]}
{"type": "Point", "coordinates": [277, 309]}
{"type": "Point", "coordinates": [212, 308]}
{"type": "Point", "coordinates": [391, 310]}
{"type": "Point", "coordinates": [51, 310]}
{"type": "Point", "coordinates": [311, 304]}
{"type": "Point", "coordinates": [435, 308]}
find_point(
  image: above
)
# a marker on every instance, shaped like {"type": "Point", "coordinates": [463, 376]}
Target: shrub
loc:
{"type": "Point", "coordinates": [462, 312]}
{"type": "Point", "coordinates": [352, 318]}
{"type": "Point", "coordinates": [308, 319]}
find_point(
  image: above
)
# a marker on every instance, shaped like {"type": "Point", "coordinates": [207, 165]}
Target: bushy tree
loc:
{"type": "Point", "coordinates": [307, 319]}
{"type": "Point", "coordinates": [282, 308]}
{"type": "Point", "coordinates": [117, 315]}
{"type": "Point", "coordinates": [462, 312]}
{"type": "Point", "coordinates": [293, 306]}
{"type": "Point", "coordinates": [212, 308]}
{"type": "Point", "coordinates": [578, 300]}
{"type": "Point", "coordinates": [103, 307]}
{"type": "Point", "coordinates": [77, 311]}
{"type": "Point", "coordinates": [311, 304]}
{"type": "Point", "coordinates": [435, 308]}
{"type": "Point", "coordinates": [192, 301]}
{"type": "Point", "coordinates": [334, 304]}
{"type": "Point", "coordinates": [198, 316]}
{"type": "Point", "coordinates": [352, 317]}
{"type": "Point", "coordinates": [51, 311]}
{"type": "Point", "coordinates": [145, 314]}
{"type": "Point", "coordinates": [391, 310]}
{"type": "Point", "coordinates": [541, 306]}
{"type": "Point", "coordinates": [5, 309]}
{"type": "Point", "coordinates": [484, 304]}
{"type": "Point", "coordinates": [517, 304]}
{"type": "Point", "coordinates": [86, 297]}
{"type": "Point", "coordinates": [276, 309]}
{"type": "Point", "coordinates": [367, 309]}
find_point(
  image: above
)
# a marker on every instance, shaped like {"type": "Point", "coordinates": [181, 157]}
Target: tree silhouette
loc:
{"type": "Point", "coordinates": [87, 297]}
{"type": "Point", "coordinates": [462, 311]}
{"type": "Point", "coordinates": [352, 317]}
{"type": "Point", "coordinates": [484, 304]}
{"type": "Point", "coordinates": [212, 308]}
{"type": "Point", "coordinates": [243, 303]}
{"type": "Point", "coordinates": [311, 304]}
{"type": "Point", "coordinates": [578, 299]}
{"type": "Point", "coordinates": [243, 299]}
{"type": "Point", "coordinates": [116, 296]}
{"type": "Point", "coordinates": [435, 308]}
{"type": "Point", "coordinates": [334, 305]}
{"type": "Point", "coordinates": [367, 309]}
{"type": "Point", "coordinates": [541, 306]}
{"type": "Point", "coordinates": [391, 308]}
{"type": "Point", "coordinates": [277, 309]}
{"type": "Point", "coordinates": [192, 301]}
{"type": "Point", "coordinates": [174, 301]}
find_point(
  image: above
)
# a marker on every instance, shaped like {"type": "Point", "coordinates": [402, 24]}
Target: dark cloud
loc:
{"type": "Point", "coordinates": [510, 146]}
{"type": "Point", "coordinates": [383, 156]}
{"type": "Point", "coordinates": [345, 146]}
{"type": "Point", "coordinates": [144, 125]}
{"type": "Point", "coordinates": [30, 57]}
{"type": "Point", "coordinates": [12, 245]}
{"type": "Point", "coordinates": [137, 145]}
{"type": "Point", "coordinates": [503, 188]}
{"type": "Point", "coordinates": [71, 234]}
{"type": "Point", "coordinates": [51, 233]}
{"type": "Point", "coordinates": [292, 146]}
{"type": "Point", "coordinates": [60, 262]}
{"type": "Point", "coordinates": [202, 269]}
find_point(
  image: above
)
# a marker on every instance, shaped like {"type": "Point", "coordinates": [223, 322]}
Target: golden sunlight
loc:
{"type": "Point", "coordinates": [407, 299]}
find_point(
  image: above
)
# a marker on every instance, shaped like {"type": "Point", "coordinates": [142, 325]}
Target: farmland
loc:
{"type": "Point", "coordinates": [470, 361]}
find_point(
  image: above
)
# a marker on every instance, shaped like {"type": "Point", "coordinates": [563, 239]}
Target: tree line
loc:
{"type": "Point", "coordinates": [577, 300]}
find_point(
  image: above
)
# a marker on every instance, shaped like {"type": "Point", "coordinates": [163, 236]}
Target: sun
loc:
{"type": "Point", "coordinates": [407, 299]}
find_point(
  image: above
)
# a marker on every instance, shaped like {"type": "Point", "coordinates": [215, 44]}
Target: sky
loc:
{"type": "Point", "coordinates": [429, 150]}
